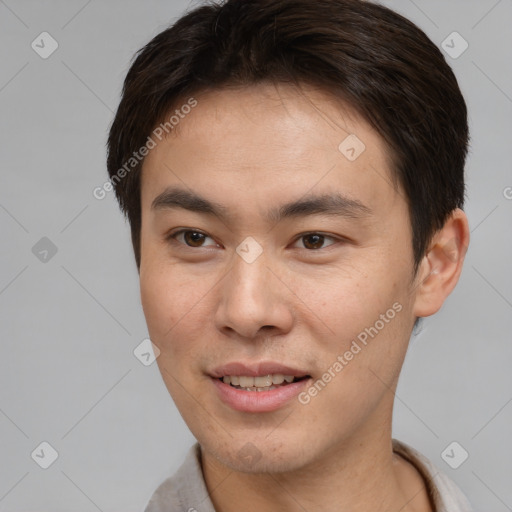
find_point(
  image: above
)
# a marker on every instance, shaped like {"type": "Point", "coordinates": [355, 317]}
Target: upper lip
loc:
{"type": "Point", "coordinates": [256, 369]}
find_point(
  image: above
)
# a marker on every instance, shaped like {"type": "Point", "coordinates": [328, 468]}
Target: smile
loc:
{"type": "Point", "coordinates": [259, 398]}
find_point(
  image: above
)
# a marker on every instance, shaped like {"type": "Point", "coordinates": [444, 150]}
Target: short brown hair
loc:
{"type": "Point", "coordinates": [368, 56]}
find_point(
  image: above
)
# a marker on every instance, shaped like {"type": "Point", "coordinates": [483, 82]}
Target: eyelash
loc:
{"type": "Point", "coordinates": [171, 237]}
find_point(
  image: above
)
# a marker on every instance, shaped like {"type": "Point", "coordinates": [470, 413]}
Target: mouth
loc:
{"type": "Point", "coordinates": [258, 387]}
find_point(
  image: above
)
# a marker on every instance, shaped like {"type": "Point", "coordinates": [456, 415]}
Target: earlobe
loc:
{"type": "Point", "coordinates": [442, 264]}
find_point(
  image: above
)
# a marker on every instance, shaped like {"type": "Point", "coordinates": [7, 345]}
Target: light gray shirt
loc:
{"type": "Point", "coordinates": [186, 490]}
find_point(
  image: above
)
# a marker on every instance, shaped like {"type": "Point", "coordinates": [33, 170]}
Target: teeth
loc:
{"type": "Point", "coordinates": [278, 378]}
{"type": "Point", "coordinates": [246, 382]}
{"type": "Point", "coordinates": [263, 383]}
{"type": "Point", "coordinates": [265, 388]}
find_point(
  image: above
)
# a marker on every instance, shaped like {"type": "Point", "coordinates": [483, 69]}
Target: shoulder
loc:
{"type": "Point", "coordinates": [444, 493]}
{"type": "Point", "coordinates": [185, 491]}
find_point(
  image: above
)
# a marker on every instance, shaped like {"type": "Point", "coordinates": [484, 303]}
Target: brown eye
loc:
{"type": "Point", "coordinates": [191, 238]}
{"type": "Point", "coordinates": [314, 241]}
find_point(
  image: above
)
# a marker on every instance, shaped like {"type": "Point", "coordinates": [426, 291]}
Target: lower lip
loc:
{"type": "Point", "coordinates": [259, 401]}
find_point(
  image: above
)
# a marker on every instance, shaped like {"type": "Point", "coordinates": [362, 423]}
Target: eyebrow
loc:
{"type": "Point", "coordinates": [335, 204]}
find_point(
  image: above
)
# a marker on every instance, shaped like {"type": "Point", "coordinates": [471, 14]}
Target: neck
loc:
{"type": "Point", "coordinates": [358, 475]}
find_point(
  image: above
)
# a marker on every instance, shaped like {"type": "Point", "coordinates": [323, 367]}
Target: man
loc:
{"type": "Point", "coordinates": [293, 174]}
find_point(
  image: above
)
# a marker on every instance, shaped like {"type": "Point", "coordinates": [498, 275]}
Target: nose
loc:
{"type": "Point", "coordinates": [254, 300]}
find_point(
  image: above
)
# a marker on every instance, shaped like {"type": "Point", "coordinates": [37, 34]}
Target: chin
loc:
{"type": "Point", "coordinates": [258, 456]}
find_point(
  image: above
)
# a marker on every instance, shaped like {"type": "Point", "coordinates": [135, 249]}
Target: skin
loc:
{"type": "Point", "coordinates": [251, 149]}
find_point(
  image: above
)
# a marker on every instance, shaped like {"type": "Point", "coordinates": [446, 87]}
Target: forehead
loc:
{"type": "Point", "coordinates": [270, 140]}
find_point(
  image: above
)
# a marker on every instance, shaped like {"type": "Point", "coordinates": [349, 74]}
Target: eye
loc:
{"type": "Point", "coordinates": [314, 241]}
{"type": "Point", "coordinates": [190, 238]}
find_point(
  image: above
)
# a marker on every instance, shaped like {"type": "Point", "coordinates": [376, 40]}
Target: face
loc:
{"type": "Point", "coordinates": [272, 244]}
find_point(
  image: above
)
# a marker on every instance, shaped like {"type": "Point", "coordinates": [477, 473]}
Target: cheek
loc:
{"type": "Point", "coordinates": [161, 300]}
{"type": "Point", "coordinates": [369, 305]}
{"type": "Point", "coordinates": [174, 305]}
{"type": "Point", "coordinates": [344, 299]}
{"type": "Point", "coordinates": [157, 302]}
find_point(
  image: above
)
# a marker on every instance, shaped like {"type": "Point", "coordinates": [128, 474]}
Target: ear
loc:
{"type": "Point", "coordinates": [441, 266]}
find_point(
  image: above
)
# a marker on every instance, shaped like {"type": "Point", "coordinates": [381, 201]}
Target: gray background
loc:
{"type": "Point", "coordinates": [69, 324]}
